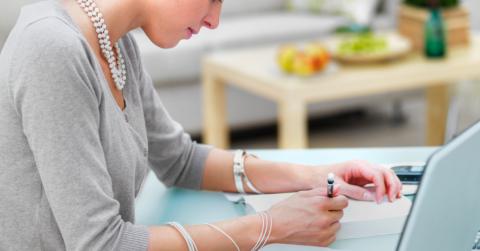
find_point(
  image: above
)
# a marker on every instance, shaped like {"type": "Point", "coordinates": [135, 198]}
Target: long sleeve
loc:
{"type": "Point", "coordinates": [58, 105]}
{"type": "Point", "coordinates": [173, 156]}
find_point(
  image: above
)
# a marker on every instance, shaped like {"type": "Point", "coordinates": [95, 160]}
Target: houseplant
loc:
{"type": "Point", "coordinates": [424, 3]}
{"type": "Point", "coordinates": [414, 13]}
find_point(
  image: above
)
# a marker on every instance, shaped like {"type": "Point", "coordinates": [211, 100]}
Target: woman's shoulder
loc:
{"type": "Point", "coordinates": [44, 37]}
{"type": "Point", "coordinates": [47, 47]}
{"type": "Point", "coordinates": [50, 44]}
{"type": "Point", "coordinates": [44, 33]}
{"type": "Point", "coordinates": [49, 35]}
{"type": "Point", "coordinates": [45, 25]}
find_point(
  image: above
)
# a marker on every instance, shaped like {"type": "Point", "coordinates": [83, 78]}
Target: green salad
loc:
{"type": "Point", "coordinates": [362, 44]}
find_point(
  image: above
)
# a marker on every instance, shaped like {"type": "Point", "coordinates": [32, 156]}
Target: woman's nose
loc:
{"type": "Point", "coordinates": [210, 25]}
{"type": "Point", "coordinates": [212, 20]}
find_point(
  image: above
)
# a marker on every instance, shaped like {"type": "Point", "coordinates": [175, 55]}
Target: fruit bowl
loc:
{"type": "Point", "coordinates": [368, 48]}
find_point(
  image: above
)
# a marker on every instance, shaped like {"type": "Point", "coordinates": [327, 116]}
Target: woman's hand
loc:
{"type": "Point", "coordinates": [308, 218]}
{"type": "Point", "coordinates": [354, 175]}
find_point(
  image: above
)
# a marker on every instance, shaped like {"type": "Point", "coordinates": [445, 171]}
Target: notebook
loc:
{"type": "Point", "coordinates": [361, 219]}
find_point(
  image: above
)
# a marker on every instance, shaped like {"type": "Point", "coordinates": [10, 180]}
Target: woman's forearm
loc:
{"type": "Point", "coordinates": [267, 176]}
{"type": "Point", "coordinates": [244, 231]}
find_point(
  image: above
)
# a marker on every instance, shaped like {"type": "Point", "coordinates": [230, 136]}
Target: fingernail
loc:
{"type": "Point", "coordinates": [368, 196]}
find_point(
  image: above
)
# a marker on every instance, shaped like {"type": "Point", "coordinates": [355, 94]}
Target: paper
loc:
{"type": "Point", "coordinates": [361, 219]}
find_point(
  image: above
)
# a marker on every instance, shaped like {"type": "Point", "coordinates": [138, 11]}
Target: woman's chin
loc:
{"type": "Point", "coordinates": [163, 43]}
{"type": "Point", "coordinates": [166, 44]}
{"type": "Point", "coordinates": [170, 45]}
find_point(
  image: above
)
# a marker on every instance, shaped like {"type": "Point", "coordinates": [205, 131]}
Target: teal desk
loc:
{"type": "Point", "coordinates": [157, 205]}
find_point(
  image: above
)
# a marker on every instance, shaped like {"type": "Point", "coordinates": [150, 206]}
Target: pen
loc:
{"type": "Point", "coordinates": [330, 184]}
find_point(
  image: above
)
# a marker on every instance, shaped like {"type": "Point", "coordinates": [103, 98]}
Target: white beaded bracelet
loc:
{"type": "Point", "coordinates": [239, 173]}
{"type": "Point", "coordinates": [190, 243]}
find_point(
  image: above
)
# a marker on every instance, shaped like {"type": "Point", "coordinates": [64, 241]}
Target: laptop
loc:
{"type": "Point", "coordinates": [445, 215]}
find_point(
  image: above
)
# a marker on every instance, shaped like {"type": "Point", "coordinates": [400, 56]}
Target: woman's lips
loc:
{"type": "Point", "coordinates": [190, 32]}
{"type": "Point", "coordinates": [194, 32]}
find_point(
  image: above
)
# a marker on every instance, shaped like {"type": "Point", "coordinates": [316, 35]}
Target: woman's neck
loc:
{"type": "Point", "coordinates": [121, 16]}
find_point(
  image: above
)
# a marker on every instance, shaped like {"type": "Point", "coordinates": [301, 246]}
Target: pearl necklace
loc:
{"type": "Point", "coordinates": [117, 67]}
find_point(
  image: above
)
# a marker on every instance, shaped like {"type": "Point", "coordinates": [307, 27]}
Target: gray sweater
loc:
{"type": "Point", "coordinates": [71, 161]}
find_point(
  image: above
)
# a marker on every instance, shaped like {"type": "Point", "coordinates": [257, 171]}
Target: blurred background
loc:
{"type": "Point", "coordinates": [393, 119]}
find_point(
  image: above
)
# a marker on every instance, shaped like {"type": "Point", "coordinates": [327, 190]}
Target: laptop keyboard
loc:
{"type": "Point", "coordinates": [476, 245]}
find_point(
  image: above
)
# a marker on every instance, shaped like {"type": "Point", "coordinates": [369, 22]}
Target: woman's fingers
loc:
{"type": "Point", "coordinates": [375, 176]}
{"type": "Point", "coordinates": [357, 192]}
{"type": "Point", "coordinates": [390, 184]}
{"type": "Point", "coordinates": [399, 185]}
{"type": "Point", "coordinates": [332, 233]}
{"type": "Point", "coordinates": [337, 203]}
{"type": "Point", "coordinates": [322, 191]}
{"type": "Point", "coordinates": [384, 179]}
{"type": "Point", "coordinates": [309, 217]}
{"type": "Point", "coordinates": [335, 216]}
{"type": "Point", "coordinates": [393, 184]}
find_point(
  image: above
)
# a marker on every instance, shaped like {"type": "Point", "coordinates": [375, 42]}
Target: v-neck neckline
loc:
{"type": "Point", "coordinates": [97, 65]}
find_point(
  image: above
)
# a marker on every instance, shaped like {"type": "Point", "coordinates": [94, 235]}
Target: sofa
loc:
{"type": "Point", "coordinates": [177, 72]}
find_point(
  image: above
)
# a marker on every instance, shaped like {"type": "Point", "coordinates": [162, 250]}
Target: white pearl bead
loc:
{"type": "Point", "coordinates": [117, 67]}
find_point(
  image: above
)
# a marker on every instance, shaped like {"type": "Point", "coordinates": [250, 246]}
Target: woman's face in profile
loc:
{"type": "Point", "coordinates": [169, 21]}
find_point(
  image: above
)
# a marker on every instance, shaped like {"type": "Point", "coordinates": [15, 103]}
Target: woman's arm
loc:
{"type": "Point", "coordinates": [277, 177]}
{"type": "Point", "coordinates": [243, 230]}
{"type": "Point", "coordinates": [306, 218]}
{"type": "Point", "coordinates": [267, 176]}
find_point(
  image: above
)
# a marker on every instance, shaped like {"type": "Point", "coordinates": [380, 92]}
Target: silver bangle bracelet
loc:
{"type": "Point", "coordinates": [225, 234]}
{"type": "Point", "coordinates": [238, 170]}
{"type": "Point", "coordinates": [267, 224]}
{"type": "Point", "coordinates": [188, 239]}
{"type": "Point", "coordinates": [239, 173]}
{"type": "Point", "coordinates": [247, 180]}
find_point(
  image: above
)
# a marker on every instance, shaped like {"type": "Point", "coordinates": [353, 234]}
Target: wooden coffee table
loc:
{"type": "Point", "coordinates": [254, 71]}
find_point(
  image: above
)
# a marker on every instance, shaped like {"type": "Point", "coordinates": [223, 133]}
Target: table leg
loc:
{"type": "Point", "coordinates": [215, 127]}
{"type": "Point", "coordinates": [437, 110]}
{"type": "Point", "coordinates": [293, 124]}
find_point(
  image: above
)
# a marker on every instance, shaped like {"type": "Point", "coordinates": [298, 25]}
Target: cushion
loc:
{"type": "Point", "coordinates": [233, 7]}
{"type": "Point", "coordinates": [269, 28]}
{"type": "Point", "coordinates": [166, 65]}
{"type": "Point", "coordinates": [183, 63]}
{"type": "Point", "coordinates": [358, 11]}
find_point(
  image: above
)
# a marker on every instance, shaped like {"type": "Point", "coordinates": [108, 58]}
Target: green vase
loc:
{"type": "Point", "coordinates": [435, 43]}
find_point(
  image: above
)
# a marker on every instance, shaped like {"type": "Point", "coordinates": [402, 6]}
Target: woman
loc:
{"type": "Point", "coordinates": [81, 125]}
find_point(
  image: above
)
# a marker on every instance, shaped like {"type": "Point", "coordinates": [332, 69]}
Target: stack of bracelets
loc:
{"type": "Point", "coordinates": [239, 177]}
